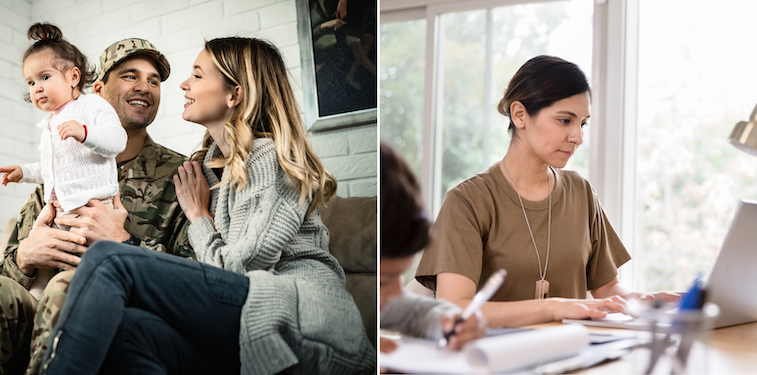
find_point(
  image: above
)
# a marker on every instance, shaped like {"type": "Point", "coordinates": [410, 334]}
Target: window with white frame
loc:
{"type": "Point", "coordinates": [402, 74]}
{"type": "Point", "coordinates": [479, 49]}
{"type": "Point", "coordinates": [696, 80]}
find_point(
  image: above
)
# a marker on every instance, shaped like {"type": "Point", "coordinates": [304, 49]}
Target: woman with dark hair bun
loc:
{"type": "Point", "coordinates": [544, 225]}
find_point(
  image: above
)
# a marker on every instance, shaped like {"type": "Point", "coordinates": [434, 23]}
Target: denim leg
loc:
{"type": "Point", "coordinates": [146, 344]}
{"type": "Point", "coordinates": [201, 302]}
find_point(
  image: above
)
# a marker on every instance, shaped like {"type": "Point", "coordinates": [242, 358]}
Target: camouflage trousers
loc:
{"type": "Point", "coordinates": [29, 340]}
{"type": "Point", "coordinates": [47, 315]}
{"type": "Point", "coordinates": [17, 309]}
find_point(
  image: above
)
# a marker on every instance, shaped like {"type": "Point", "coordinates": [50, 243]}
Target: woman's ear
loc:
{"type": "Point", "coordinates": [236, 97]}
{"type": "Point", "coordinates": [518, 114]}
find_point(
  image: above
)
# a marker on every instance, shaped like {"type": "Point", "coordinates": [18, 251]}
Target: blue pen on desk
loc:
{"type": "Point", "coordinates": [694, 298]}
{"type": "Point", "coordinates": [483, 295]}
{"type": "Point", "coordinates": [693, 301]}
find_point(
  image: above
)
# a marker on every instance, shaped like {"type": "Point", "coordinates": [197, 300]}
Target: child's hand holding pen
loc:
{"type": "Point", "coordinates": [465, 331]}
{"type": "Point", "coordinates": [474, 307]}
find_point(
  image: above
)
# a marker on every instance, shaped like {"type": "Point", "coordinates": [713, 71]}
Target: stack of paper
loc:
{"type": "Point", "coordinates": [503, 353]}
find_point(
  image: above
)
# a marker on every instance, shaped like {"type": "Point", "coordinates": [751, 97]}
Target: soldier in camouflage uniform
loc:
{"type": "Point", "coordinates": [147, 215]}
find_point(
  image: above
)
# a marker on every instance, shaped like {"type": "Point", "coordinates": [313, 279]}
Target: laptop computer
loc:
{"type": "Point", "coordinates": [732, 282]}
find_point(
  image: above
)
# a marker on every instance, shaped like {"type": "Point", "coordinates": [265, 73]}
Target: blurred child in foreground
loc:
{"type": "Point", "coordinates": [404, 232]}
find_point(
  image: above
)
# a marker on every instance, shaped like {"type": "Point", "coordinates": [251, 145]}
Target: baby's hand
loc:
{"type": "Point", "coordinates": [13, 173]}
{"type": "Point", "coordinates": [73, 129]}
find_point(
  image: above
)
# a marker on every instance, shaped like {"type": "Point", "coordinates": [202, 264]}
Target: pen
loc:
{"type": "Point", "coordinates": [694, 298]}
{"type": "Point", "coordinates": [483, 295]}
{"type": "Point", "coordinates": [693, 301]}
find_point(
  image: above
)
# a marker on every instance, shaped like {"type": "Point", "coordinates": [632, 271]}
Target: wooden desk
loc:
{"type": "Point", "coordinates": [731, 350]}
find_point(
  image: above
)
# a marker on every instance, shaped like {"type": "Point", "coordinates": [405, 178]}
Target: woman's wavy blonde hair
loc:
{"type": "Point", "coordinates": [267, 109]}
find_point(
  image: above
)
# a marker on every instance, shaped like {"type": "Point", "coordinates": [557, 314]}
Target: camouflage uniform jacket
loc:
{"type": "Point", "coordinates": [147, 193]}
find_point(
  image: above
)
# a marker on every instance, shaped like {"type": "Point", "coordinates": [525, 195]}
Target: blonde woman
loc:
{"type": "Point", "coordinates": [253, 195]}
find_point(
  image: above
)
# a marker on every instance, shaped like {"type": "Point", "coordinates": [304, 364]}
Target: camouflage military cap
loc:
{"type": "Point", "coordinates": [118, 51]}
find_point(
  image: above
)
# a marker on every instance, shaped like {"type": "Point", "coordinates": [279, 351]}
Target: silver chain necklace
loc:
{"type": "Point", "coordinates": [542, 285]}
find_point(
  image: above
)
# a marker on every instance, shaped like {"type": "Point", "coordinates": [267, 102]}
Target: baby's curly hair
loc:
{"type": "Point", "coordinates": [47, 35]}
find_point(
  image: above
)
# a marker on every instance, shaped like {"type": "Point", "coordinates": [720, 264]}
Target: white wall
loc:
{"type": "Point", "coordinates": [178, 28]}
{"type": "Point", "coordinates": [18, 139]}
{"type": "Point", "coordinates": [351, 155]}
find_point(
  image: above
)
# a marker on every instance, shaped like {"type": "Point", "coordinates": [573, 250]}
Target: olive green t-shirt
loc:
{"type": "Point", "coordinates": [481, 228]}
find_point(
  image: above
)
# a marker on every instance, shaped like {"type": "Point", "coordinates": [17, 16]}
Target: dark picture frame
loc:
{"type": "Point", "coordinates": [338, 55]}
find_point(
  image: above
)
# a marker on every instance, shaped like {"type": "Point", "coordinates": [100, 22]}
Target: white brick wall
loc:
{"type": "Point", "coordinates": [17, 132]}
{"type": "Point", "coordinates": [351, 155]}
{"type": "Point", "coordinates": [179, 28]}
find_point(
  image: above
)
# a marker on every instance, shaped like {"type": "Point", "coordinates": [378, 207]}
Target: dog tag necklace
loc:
{"type": "Point", "coordinates": [542, 285]}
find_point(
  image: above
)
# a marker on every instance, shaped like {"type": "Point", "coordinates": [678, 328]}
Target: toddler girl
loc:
{"type": "Point", "coordinates": [80, 137]}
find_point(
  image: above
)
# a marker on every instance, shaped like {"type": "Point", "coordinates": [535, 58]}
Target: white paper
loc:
{"type": "Point", "coordinates": [418, 356]}
{"type": "Point", "coordinates": [502, 353]}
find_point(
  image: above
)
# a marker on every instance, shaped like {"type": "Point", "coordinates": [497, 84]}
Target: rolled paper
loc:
{"type": "Point", "coordinates": [523, 349]}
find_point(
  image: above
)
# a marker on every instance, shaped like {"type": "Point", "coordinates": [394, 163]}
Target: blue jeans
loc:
{"type": "Point", "coordinates": [137, 311]}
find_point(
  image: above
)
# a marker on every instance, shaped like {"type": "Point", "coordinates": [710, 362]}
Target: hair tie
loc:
{"type": "Point", "coordinates": [42, 36]}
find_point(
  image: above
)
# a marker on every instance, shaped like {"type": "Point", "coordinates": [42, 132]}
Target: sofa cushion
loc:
{"type": "Point", "coordinates": [352, 227]}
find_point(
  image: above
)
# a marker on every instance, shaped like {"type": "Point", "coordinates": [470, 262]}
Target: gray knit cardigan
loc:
{"type": "Point", "coordinates": [298, 317]}
{"type": "Point", "coordinates": [415, 315]}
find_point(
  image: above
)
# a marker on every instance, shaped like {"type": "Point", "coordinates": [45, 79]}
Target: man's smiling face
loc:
{"type": "Point", "coordinates": [133, 89]}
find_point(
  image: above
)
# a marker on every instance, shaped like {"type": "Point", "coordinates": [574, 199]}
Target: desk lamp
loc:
{"type": "Point", "coordinates": [744, 135]}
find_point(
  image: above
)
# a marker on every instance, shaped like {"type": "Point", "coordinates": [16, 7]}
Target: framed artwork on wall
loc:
{"type": "Point", "coordinates": [338, 49]}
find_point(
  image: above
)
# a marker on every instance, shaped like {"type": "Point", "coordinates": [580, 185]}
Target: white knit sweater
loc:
{"type": "Point", "coordinates": [79, 171]}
